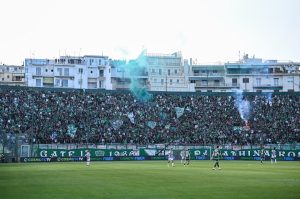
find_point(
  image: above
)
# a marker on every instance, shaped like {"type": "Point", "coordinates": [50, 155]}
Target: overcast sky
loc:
{"type": "Point", "coordinates": [207, 30]}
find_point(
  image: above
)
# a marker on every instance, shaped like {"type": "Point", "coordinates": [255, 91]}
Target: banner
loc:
{"type": "Point", "coordinates": [44, 153]}
{"type": "Point", "coordinates": [71, 130]}
{"type": "Point", "coordinates": [195, 153]}
{"type": "Point", "coordinates": [151, 124]}
{"type": "Point", "coordinates": [131, 117]}
{"type": "Point", "coordinates": [179, 111]}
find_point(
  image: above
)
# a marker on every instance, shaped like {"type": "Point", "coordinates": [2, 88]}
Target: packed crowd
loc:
{"type": "Point", "coordinates": [45, 116]}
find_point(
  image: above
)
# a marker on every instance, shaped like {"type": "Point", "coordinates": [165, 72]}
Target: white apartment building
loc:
{"type": "Point", "coordinates": [248, 74]}
{"type": "Point", "coordinates": [167, 73]}
{"type": "Point", "coordinates": [87, 72]}
{"type": "Point", "coordinates": [12, 75]}
{"type": "Point", "coordinates": [163, 72]}
{"type": "Point", "coordinates": [123, 73]}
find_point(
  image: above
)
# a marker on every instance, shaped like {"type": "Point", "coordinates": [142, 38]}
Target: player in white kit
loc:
{"type": "Point", "coordinates": [88, 157]}
{"type": "Point", "coordinates": [171, 158]}
{"type": "Point", "coordinates": [273, 156]}
{"type": "Point", "coordinates": [182, 155]}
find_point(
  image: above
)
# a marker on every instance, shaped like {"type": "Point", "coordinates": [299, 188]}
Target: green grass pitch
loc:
{"type": "Point", "coordinates": [149, 179]}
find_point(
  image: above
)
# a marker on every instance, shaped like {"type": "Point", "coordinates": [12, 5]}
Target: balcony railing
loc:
{"type": "Point", "coordinates": [209, 74]}
{"type": "Point", "coordinates": [268, 86]}
{"type": "Point", "coordinates": [217, 85]}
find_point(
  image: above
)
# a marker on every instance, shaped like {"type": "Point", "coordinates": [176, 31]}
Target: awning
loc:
{"type": "Point", "coordinates": [48, 80]}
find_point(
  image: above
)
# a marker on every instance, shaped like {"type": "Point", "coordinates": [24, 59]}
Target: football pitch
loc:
{"type": "Point", "coordinates": [149, 179]}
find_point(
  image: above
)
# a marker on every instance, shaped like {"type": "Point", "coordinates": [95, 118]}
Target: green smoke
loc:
{"type": "Point", "coordinates": [135, 69]}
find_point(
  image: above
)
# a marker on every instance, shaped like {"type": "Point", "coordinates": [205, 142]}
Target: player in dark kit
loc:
{"type": "Point", "coordinates": [187, 158]}
{"type": "Point", "coordinates": [216, 156]}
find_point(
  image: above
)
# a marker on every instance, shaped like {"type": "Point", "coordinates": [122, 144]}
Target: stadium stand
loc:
{"type": "Point", "coordinates": [76, 116]}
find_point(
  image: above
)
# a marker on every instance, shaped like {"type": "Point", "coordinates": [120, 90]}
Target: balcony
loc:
{"type": "Point", "coordinates": [101, 78]}
{"type": "Point", "coordinates": [268, 87]}
{"type": "Point", "coordinates": [216, 85]}
{"type": "Point", "coordinates": [209, 74]}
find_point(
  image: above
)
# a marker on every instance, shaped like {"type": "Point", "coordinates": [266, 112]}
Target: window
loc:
{"type": "Point", "coordinates": [203, 71]}
{"type": "Point", "coordinates": [153, 70]}
{"type": "Point", "coordinates": [38, 71]}
{"type": "Point", "coordinates": [15, 68]}
{"type": "Point", "coordinates": [52, 71]}
{"type": "Point", "coordinates": [57, 82]}
{"type": "Point", "coordinates": [245, 80]}
{"type": "Point", "coordinates": [277, 70]}
{"type": "Point", "coordinates": [171, 81]}
{"type": "Point", "coordinates": [234, 81]}
{"type": "Point", "coordinates": [100, 84]}
{"type": "Point", "coordinates": [101, 73]}
{"type": "Point", "coordinates": [276, 81]}
{"type": "Point", "coordinates": [59, 70]}
{"type": "Point", "coordinates": [217, 82]}
{"type": "Point", "coordinates": [175, 71]}
{"type": "Point", "coordinates": [160, 71]}
{"type": "Point", "coordinates": [66, 71]}
{"type": "Point", "coordinates": [177, 81]}
{"type": "Point", "coordinates": [80, 70]}
{"type": "Point", "coordinates": [162, 81]}
{"type": "Point", "coordinates": [169, 71]}
{"type": "Point", "coordinates": [7, 76]}
{"type": "Point", "coordinates": [91, 72]}
{"type": "Point", "coordinates": [100, 63]}
{"type": "Point", "coordinates": [64, 83]}
{"type": "Point", "coordinates": [17, 78]}
{"type": "Point", "coordinates": [46, 70]}
{"type": "Point", "coordinates": [215, 71]}
{"type": "Point", "coordinates": [2, 79]}
{"type": "Point", "coordinates": [91, 61]}
{"type": "Point", "coordinates": [204, 83]}
{"type": "Point", "coordinates": [290, 80]}
{"type": "Point", "coordinates": [258, 81]}
{"type": "Point", "coordinates": [38, 82]}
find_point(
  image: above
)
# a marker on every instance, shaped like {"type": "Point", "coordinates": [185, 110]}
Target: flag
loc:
{"type": "Point", "coordinates": [116, 124]}
{"type": "Point", "coordinates": [179, 111]}
{"type": "Point", "coordinates": [151, 124]}
{"type": "Point", "coordinates": [163, 116]}
{"type": "Point", "coordinates": [71, 130]}
{"type": "Point", "coordinates": [131, 117]}
{"type": "Point", "coordinates": [54, 136]}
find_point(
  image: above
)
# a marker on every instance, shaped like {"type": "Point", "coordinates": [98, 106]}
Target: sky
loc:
{"type": "Point", "coordinates": [205, 30]}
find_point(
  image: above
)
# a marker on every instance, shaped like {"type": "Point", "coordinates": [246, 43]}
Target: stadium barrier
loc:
{"type": "Point", "coordinates": [66, 155]}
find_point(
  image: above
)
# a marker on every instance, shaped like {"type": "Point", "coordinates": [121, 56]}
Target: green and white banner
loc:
{"type": "Point", "coordinates": [250, 153]}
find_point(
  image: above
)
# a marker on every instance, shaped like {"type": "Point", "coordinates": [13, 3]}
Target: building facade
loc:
{"type": "Point", "coordinates": [12, 75]}
{"type": "Point", "coordinates": [87, 72]}
{"type": "Point", "coordinates": [168, 73]}
{"type": "Point", "coordinates": [248, 74]}
{"type": "Point", "coordinates": [159, 72]}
